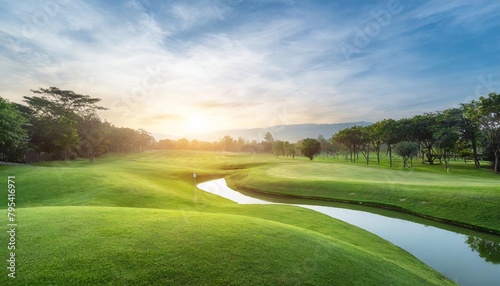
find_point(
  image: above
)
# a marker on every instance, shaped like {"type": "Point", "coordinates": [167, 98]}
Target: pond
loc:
{"type": "Point", "coordinates": [466, 257]}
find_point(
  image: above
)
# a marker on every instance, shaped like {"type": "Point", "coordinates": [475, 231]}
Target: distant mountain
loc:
{"type": "Point", "coordinates": [161, 136]}
{"type": "Point", "coordinates": [292, 133]}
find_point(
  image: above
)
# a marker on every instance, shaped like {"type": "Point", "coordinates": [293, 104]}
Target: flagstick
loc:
{"type": "Point", "coordinates": [194, 177]}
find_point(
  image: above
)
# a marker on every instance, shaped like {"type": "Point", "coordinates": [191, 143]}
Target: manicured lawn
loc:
{"type": "Point", "coordinates": [135, 220]}
{"type": "Point", "coordinates": [464, 195]}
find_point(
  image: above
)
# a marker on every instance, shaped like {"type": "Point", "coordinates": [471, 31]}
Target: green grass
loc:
{"type": "Point", "coordinates": [133, 220]}
{"type": "Point", "coordinates": [465, 195]}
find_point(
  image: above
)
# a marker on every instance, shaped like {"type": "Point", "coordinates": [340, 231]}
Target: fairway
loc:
{"type": "Point", "coordinates": [465, 197]}
{"type": "Point", "coordinates": [368, 174]}
{"type": "Point", "coordinates": [137, 219]}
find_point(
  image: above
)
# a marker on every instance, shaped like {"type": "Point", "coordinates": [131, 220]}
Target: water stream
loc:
{"type": "Point", "coordinates": [466, 257]}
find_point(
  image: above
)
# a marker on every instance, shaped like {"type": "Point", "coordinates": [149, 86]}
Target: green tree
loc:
{"type": "Point", "coordinates": [12, 134]}
{"type": "Point", "coordinates": [471, 130]}
{"type": "Point", "coordinates": [325, 145]}
{"type": "Point", "coordinates": [279, 148]}
{"type": "Point", "coordinates": [65, 136]}
{"type": "Point", "coordinates": [389, 135]}
{"type": "Point", "coordinates": [407, 150]}
{"type": "Point", "coordinates": [488, 110]}
{"type": "Point", "coordinates": [421, 129]}
{"type": "Point", "coordinates": [54, 118]}
{"type": "Point", "coordinates": [291, 149]}
{"type": "Point", "coordinates": [352, 138]}
{"type": "Point", "coordinates": [487, 249]}
{"type": "Point", "coordinates": [447, 133]}
{"type": "Point", "coordinates": [310, 147]}
{"type": "Point", "coordinates": [375, 135]}
{"type": "Point", "coordinates": [267, 143]}
{"type": "Point", "coordinates": [94, 136]}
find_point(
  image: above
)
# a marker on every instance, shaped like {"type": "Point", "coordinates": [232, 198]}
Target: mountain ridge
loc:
{"type": "Point", "coordinates": [289, 132]}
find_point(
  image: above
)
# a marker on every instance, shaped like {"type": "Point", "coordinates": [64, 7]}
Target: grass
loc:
{"type": "Point", "coordinates": [132, 220]}
{"type": "Point", "coordinates": [465, 195]}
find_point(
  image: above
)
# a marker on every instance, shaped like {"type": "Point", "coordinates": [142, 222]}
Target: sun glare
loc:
{"type": "Point", "coordinates": [197, 124]}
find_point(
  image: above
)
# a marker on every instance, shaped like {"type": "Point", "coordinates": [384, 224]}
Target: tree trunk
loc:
{"type": "Point", "coordinates": [474, 151]}
{"type": "Point", "coordinates": [446, 160]}
{"type": "Point", "coordinates": [496, 153]}
{"type": "Point", "coordinates": [390, 156]}
{"type": "Point", "coordinates": [378, 155]}
{"type": "Point", "coordinates": [368, 155]}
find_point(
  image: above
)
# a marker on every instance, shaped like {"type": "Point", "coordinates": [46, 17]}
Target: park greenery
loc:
{"type": "Point", "coordinates": [66, 125]}
{"type": "Point", "coordinates": [136, 219]}
{"type": "Point", "coordinates": [138, 212]}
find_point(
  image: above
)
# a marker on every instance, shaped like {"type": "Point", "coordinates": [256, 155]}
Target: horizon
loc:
{"type": "Point", "coordinates": [207, 66]}
{"type": "Point", "coordinates": [272, 129]}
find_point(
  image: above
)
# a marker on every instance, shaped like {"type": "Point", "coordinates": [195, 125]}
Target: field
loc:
{"type": "Point", "coordinates": [464, 196]}
{"type": "Point", "coordinates": [137, 219]}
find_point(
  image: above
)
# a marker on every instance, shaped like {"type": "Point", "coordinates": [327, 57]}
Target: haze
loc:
{"type": "Point", "coordinates": [181, 68]}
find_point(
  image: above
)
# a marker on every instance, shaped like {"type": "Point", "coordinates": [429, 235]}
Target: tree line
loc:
{"type": "Point", "coordinates": [64, 125]}
{"type": "Point", "coordinates": [307, 147]}
{"type": "Point", "coordinates": [471, 131]}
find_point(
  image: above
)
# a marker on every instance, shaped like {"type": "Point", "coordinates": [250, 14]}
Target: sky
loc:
{"type": "Point", "coordinates": [185, 67]}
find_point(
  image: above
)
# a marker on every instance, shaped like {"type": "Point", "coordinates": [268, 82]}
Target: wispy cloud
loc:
{"type": "Point", "coordinates": [250, 63]}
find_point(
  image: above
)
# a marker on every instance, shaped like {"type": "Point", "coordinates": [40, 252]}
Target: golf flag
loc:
{"type": "Point", "coordinates": [194, 175]}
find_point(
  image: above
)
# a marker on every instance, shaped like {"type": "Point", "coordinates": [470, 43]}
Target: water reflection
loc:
{"type": "Point", "coordinates": [487, 249]}
{"type": "Point", "coordinates": [439, 247]}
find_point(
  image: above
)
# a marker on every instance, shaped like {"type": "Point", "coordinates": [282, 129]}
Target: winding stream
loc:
{"type": "Point", "coordinates": [466, 257]}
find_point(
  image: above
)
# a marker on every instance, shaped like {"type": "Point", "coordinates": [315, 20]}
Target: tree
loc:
{"type": "Point", "coordinates": [269, 137]}
{"type": "Point", "coordinates": [365, 140]}
{"type": "Point", "coordinates": [310, 147]}
{"type": "Point", "coordinates": [94, 136]}
{"type": "Point", "coordinates": [144, 139]}
{"type": "Point", "coordinates": [325, 145]}
{"type": "Point", "coordinates": [291, 149]}
{"type": "Point", "coordinates": [268, 143]}
{"type": "Point", "coordinates": [351, 138]}
{"type": "Point", "coordinates": [375, 131]}
{"type": "Point", "coordinates": [56, 102]}
{"type": "Point", "coordinates": [470, 130]}
{"type": "Point", "coordinates": [487, 249]}
{"type": "Point", "coordinates": [12, 134]}
{"type": "Point", "coordinates": [407, 150]}
{"type": "Point", "coordinates": [227, 143]}
{"type": "Point", "coordinates": [488, 110]}
{"type": "Point", "coordinates": [421, 129]}
{"type": "Point", "coordinates": [447, 133]}
{"type": "Point", "coordinates": [279, 148]}
{"type": "Point", "coordinates": [54, 116]}
{"type": "Point", "coordinates": [389, 135]}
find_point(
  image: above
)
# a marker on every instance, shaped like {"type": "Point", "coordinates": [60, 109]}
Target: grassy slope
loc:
{"type": "Point", "coordinates": [132, 220]}
{"type": "Point", "coordinates": [464, 195]}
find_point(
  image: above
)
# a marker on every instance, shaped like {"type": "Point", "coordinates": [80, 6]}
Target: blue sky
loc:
{"type": "Point", "coordinates": [180, 67]}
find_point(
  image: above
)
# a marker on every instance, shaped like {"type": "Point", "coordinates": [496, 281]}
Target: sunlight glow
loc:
{"type": "Point", "coordinates": [197, 124]}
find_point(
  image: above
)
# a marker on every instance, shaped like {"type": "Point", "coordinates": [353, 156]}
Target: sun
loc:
{"type": "Point", "coordinates": [197, 124]}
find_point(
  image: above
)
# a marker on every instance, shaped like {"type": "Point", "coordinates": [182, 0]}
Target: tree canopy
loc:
{"type": "Point", "coordinates": [310, 147]}
{"type": "Point", "coordinates": [13, 136]}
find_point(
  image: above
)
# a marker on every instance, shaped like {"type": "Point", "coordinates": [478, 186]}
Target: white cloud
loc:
{"type": "Point", "coordinates": [268, 68]}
